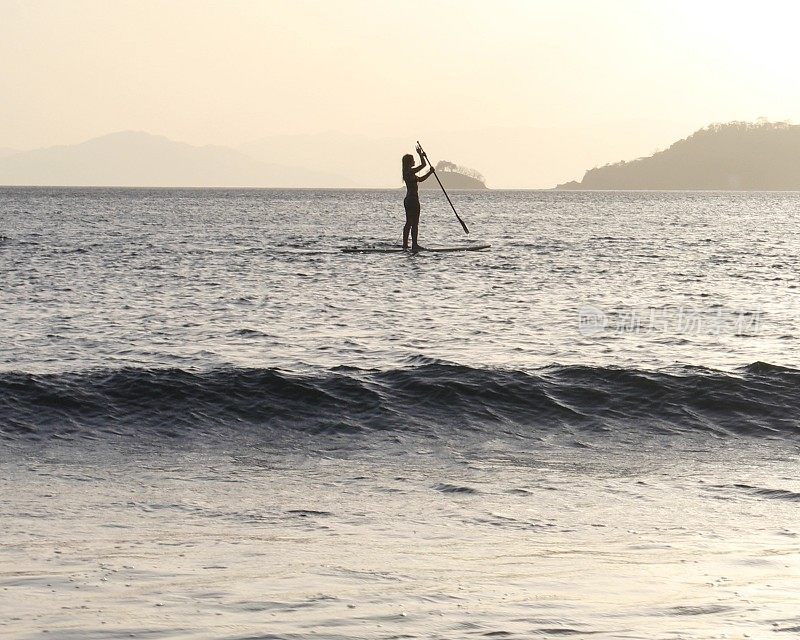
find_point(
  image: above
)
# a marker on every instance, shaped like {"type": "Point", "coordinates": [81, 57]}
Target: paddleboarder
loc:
{"type": "Point", "coordinates": [411, 201]}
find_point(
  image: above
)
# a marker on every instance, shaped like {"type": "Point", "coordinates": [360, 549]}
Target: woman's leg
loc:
{"type": "Point", "coordinates": [407, 227]}
{"type": "Point", "coordinates": [415, 228]}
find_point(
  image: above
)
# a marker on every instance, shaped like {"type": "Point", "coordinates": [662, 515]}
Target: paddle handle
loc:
{"type": "Point", "coordinates": [435, 175]}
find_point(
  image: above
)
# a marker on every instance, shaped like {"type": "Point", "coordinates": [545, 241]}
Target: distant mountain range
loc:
{"type": "Point", "coordinates": [511, 157]}
{"type": "Point", "coordinates": [736, 155]}
{"type": "Point", "coordinates": [732, 156]}
{"type": "Point", "coordinates": [133, 158]}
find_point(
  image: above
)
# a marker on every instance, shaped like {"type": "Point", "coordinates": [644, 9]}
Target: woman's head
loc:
{"type": "Point", "coordinates": [408, 162]}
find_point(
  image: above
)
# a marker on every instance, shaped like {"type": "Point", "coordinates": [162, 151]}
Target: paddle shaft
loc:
{"type": "Point", "coordinates": [435, 175]}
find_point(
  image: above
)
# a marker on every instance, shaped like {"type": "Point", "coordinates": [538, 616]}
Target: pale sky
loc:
{"type": "Point", "coordinates": [229, 72]}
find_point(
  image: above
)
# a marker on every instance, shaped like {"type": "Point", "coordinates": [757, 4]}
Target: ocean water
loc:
{"type": "Point", "coordinates": [215, 424]}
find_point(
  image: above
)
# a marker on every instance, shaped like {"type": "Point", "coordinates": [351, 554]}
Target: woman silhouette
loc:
{"type": "Point", "coordinates": [411, 202]}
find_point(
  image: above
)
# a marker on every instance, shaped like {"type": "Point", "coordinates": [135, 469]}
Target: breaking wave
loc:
{"type": "Point", "coordinates": [432, 397]}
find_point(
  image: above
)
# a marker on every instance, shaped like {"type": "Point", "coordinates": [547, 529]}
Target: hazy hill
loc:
{"type": "Point", "coordinates": [511, 157]}
{"type": "Point", "coordinates": [140, 159]}
{"type": "Point", "coordinates": [454, 176]}
{"type": "Point", "coordinates": [365, 161]}
{"type": "Point", "coordinates": [736, 156]}
{"type": "Point", "coordinates": [368, 162]}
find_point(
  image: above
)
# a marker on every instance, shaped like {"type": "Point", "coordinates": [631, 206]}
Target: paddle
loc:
{"type": "Point", "coordinates": [422, 151]}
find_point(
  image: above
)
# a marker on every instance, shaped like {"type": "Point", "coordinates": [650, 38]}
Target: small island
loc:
{"type": "Point", "coordinates": [736, 156]}
{"type": "Point", "coordinates": [454, 176]}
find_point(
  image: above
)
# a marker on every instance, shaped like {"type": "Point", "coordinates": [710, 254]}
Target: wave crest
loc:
{"type": "Point", "coordinates": [432, 397]}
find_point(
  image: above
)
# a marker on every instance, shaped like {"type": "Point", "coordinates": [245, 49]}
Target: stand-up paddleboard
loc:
{"type": "Point", "coordinates": [469, 247]}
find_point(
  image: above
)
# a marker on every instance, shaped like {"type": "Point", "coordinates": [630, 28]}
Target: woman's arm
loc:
{"type": "Point", "coordinates": [422, 162]}
{"type": "Point", "coordinates": [426, 176]}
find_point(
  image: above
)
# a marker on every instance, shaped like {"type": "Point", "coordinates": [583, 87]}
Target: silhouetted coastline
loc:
{"type": "Point", "coordinates": [737, 156]}
{"type": "Point", "coordinates": [454, 176]}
